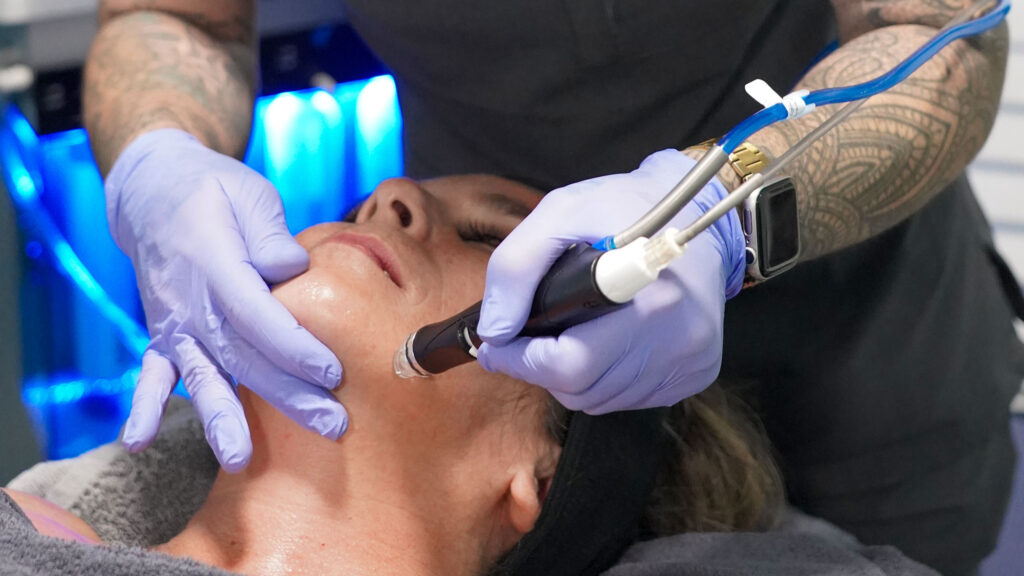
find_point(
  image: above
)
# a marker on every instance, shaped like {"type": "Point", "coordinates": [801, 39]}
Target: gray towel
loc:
{"type": "Point", "coordinates": [145, 499]}
{"type": "Point", "coordinates": [768, 554]}
{"type": "Point", "coordinates": [133, 499]}
{"type": "Point", "coordinates": [26, 552]}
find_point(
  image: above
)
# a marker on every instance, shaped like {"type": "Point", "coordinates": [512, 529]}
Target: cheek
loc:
{"type": "Point", "coordinates": [463, 282]}
{"type": "Point", "coordinates": [336, 313]}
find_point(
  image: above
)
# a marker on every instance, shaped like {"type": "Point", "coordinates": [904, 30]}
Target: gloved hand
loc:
{"type": "Point", "coordinates": [661, 347]}
{"type": "Point", "coordinates": [206, 234]}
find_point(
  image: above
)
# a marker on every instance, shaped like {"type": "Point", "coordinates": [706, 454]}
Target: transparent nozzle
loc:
{"type": "Point", "coordinates": [404, 363]}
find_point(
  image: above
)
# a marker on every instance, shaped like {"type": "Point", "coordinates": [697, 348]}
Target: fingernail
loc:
{"type": "Point", "coordinates": [133, 439]}
{"type": "Point", "coordinates": [333, 377]}
{"type": "Point", "coordinates": [483, 356]}
{"type": "Point", "coordinates": [343, 428]}
{"type": "Point", "coordinates": [327, 376]}
{"type": "Point", "coordinates": [333, 425]}
{"type": "Point", "coordinates": [230, 443]}
{"type": "Point", "coordinates": [485, 326]}
{"type": "Point", "coordinates": [130, 440]}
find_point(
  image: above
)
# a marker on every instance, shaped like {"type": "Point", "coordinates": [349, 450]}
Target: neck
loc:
{"type": "Point", "coordinates": [308, 505]}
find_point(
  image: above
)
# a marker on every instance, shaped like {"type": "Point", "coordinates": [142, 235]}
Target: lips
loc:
{"type": "Point", "coordinates": [375, 249]}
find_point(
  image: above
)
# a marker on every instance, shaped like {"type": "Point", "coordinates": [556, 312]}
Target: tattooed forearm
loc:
{"type": "Point", "coordinates": [902, 147]}
{"type": "Point", "coordinates": [186, 70]}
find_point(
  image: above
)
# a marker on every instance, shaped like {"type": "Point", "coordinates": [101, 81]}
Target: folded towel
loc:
{"type": "Point", "coordinates": [133, 499]}
{"type": "Point", "coordinates": [26, 552]}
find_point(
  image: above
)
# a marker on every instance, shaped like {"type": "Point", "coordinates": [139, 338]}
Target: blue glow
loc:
{"type": "Point", "coordinates": [45, 393]}
{"type": "Point", "coordinates": [302, 152]}
{"type": "Point", "coordinates": [375, 111]}
{"type": "Point", "coordinates": [378, 134]}
{"type": "Point", "coordinates": [312, 145]}
{"type": "Point", "coordinates": [33, 249]}
{"type": "Point", "coordinates": [605, 244]}
{"type": "Point", "coordinates": [74, 196]}
{"type": "Point", "coordinates": [328, 108]}
{"type": "Point", "coordinates": [15, 145]}
{"type": "Point", "coordinates": [76, 414]}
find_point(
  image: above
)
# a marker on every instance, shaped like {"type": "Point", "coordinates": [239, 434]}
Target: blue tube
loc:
{"type": "Point", "coordinates": [16, 139]}
{"type": "Point", "coordinates": [777, 112]}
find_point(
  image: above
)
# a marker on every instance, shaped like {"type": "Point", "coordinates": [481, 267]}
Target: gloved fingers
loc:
{"type": "Point", "coordinates": [156, 381]}
{"type": "Point", "coordinates": [217, 404]}
{"type": "Point", "coordinates": [274, 252]}
{"type": "Point", "coordinates": [567, 364]}
{"type": "Point", "coordinates": [311, 407]}
{"type": "Point", "coordinates": [268, 327]}
{"type": "Point", "coordinates": [679, 389]}
{"type": "Point", "coordinates": [620, 387]}
{"type": "Point", "coordinates": [521, 260]}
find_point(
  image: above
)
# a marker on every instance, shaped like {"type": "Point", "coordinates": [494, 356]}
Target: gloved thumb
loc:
{"type": "Point", "coordinates": [272, 250]}
{"type": "Point", "coordinates": [278, 257]}
{"type": "Point", "coordinates": [519, 263]}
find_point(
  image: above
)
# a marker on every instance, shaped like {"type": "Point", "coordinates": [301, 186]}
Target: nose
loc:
{"type": "Point", "coordinates": [400, 203]}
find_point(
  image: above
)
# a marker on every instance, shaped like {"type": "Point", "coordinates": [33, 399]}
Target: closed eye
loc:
{"type": "Point", "coordinates": [481, 233]}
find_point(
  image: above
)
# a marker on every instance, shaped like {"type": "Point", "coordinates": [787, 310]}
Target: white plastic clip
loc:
{"type": "Point", "coordinates": [764, 94]}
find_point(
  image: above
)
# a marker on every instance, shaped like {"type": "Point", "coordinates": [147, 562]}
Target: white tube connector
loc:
{"type": "Point", "coordinates": [794, 102]}
{"type": "Point", "coordinates": [623, 272]}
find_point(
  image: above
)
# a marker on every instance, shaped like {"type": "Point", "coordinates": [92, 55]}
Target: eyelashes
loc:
{"type": "Point", "coordinates": [472, 231]}
{"type": "Point", "coordinates": [353, 213]}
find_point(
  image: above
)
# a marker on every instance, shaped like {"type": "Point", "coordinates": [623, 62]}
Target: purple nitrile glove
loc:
{"type": "Point", "coordinates": [661, 347]}
{"type": "Point", "coordinates": [206, 233]}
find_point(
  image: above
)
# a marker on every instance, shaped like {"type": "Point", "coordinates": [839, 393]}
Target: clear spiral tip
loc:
{"type": "Point", "coordinates": [404, 362]}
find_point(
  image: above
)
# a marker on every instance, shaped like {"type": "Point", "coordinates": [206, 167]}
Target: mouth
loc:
{"type": "Point", "coordinates": [376, 250]}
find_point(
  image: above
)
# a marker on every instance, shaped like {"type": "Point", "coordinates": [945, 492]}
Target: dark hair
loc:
{"type": "Point", "coordinates": [716, 473]}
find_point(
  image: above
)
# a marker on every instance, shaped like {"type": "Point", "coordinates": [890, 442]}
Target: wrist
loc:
{"type": "Point", "coordinates": [728, 177]}
{"type": "Point", "coordinates": [137, 149]}
{"type": "Point", "coordinates": [128, 161]}
{"type": "Point", "coordinates": [727, 230]}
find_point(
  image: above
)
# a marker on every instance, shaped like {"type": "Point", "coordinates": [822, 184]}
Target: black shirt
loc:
{"type": "Point", "coordinates": [884, 371]}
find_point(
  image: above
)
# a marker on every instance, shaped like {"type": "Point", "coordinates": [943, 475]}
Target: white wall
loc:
{"type": "Point", "coordinates": [998, 172]}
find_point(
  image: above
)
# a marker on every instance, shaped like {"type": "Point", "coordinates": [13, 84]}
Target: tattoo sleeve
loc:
{"type": "Point", "coordinates": [169, 64]}
{"type": "Point", "coordinates": [897, 151]}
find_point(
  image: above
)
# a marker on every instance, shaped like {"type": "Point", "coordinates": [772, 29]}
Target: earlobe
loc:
{"type": "Point", "coordinates": [524, 500]}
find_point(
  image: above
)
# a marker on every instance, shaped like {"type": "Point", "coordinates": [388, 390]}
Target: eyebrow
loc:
{"type": "Point", "coordinates": [505, 205]}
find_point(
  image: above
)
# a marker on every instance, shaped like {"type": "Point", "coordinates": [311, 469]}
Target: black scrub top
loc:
{"type": "Point", "coordinates": [884, 371]}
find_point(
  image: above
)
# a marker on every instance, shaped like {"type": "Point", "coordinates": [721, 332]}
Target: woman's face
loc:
{"type": "Point", "coordinates": [415, 254]}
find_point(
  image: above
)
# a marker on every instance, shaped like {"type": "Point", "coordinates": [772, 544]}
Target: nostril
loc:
{"type": "Point", "coordinates": [404, 215]}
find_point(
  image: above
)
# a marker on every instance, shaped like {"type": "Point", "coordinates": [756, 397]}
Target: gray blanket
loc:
{"type": "Point", "coordinates": [140, 500]}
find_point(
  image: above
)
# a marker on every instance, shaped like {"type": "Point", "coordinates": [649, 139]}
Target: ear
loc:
{"type": "Point", "coordinates": [528, 488]}
{"type": "Point", "coordinates": [524, 499]}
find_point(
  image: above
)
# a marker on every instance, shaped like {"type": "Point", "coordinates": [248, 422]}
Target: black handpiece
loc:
{"type": "Point", "coordinates": [567, 295]}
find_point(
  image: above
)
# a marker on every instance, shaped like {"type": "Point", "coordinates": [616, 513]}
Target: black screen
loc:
{"type": "Point", "coordinates": [779, 241]}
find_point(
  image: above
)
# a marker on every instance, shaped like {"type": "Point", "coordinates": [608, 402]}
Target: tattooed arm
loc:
{"type": "Point", "coordinates": [890, 157]}
{"type": "Point", "coordinates": [187, 64]}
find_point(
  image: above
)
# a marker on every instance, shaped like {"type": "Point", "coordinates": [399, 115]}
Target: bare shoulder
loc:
{"type": "Point", "coordinates": [52, 520]}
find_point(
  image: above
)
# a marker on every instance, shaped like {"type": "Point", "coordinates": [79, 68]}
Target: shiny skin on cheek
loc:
{"type": "Point", "coordinates": [350, 317]}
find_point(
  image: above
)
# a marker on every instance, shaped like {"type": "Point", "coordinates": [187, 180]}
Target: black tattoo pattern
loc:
{"type": "Point", "coordinates": [902, 147]}
{"type": "Point", "coordinates": [152, 69]}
